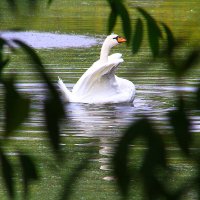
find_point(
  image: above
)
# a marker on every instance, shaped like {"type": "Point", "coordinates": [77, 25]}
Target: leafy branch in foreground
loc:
{"type": "Point", "coordinates": [154, 29]}
{"type": "Point", "coordinates": [17, 109]}
{"type": "Point", "coordinates": [154, 171]}
{"type": "Point", "coordinates": [53, 106]}
{"type": "Point", "coordinates": [119, 9]}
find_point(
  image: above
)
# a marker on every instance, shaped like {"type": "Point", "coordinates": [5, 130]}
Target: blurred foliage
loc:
{"type": "Point", "coordinates": [154, 162]}
{"type": "Point", "coordinates": [154, 171]}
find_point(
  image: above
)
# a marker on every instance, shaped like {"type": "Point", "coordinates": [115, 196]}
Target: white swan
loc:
{"type": "Point", "coordinates": [99, 84]}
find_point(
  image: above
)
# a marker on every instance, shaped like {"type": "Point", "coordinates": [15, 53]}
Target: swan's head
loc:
{"type": "Point", "coordinates": [113, 40]}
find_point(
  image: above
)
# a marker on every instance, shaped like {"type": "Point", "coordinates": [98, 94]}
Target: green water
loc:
{"type": "Point", "coordinates": [96, 128]}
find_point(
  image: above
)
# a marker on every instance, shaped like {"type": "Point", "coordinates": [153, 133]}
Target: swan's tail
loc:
{"type": "Point", "coordinates": [65, 92]}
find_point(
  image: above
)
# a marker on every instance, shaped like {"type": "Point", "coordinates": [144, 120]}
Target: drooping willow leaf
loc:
{"type": "Point", "coordinates": [7, 174]}
{"type": "Point", "coordinates": [138, 36]}
{"type": "Point", "coordinates": [198, 98]}
{"type": "Point", "coordinates": [53, 107]}
{"type": "Point", "coordinates": [53, 115]}
{"type": "Point", "coordinates": [112, 21]}
{"type": "Point", "coordinates": [12, 5]}
{"type": "Point", "coordinates": [126, 22]}
{"type": "Point", "coordinates": [119, 9]}
{"type": "Point", "coordinates": [72, 178]}
{"type": "Point", "coordinates": [154, 32]}
{"type": "Point", "coordinates": [3, 61]}
{"type": "Point", "coordinates": [29, 171]}
{"type": "Point", "coordinates": [154, 157]}
{"type": "Point", "coordinates": [181, 127]}
{"type": "Point", "coordinates": [170, 39]}
{"type": "Point", "coordinates": [16, 107]}
{"type": "Point", "coordinates": [190, 61]}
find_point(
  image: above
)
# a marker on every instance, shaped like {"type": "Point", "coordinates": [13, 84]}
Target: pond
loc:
{"type": "Point", "coordinates": [68, 37]}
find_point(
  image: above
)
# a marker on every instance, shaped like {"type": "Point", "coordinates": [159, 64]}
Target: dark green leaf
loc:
{"type": "Point", "coordinates": [154, 32]}
{"type": "Point", "coordinates": [126, 22]}
{"type": "Point", "coordinates": [181, 68]}
{"type": "Point", "coordinates": [54, 110]}
{"type": "Point", "coordinates": [38, 65]}
{"type": "Point", "coordinates": [120, 160]}
{"type": "Point", "coordinates": [190, 61]}
{"type": "Point", "coordinates": [19, 6]}
{"type": "Point", "coordinates": [155, 155]}
{"type": "Point", "coordinates": [3, 64]}
{"type": "Point", "coordinates": [170, 39]}
{"type": "Point", "coordinates": [12, 4]}
{"type": "Point", "coordinates": [138, 36]}
{"type": "Point", "coordinates": [118, 9]}
{"type": "Point", "coordinates": [198, 98]}
{"type": "Point", "coordinates": [33, 58]}
{"type": "Point", "coordinates": [181, 127]}
{"type": "Point", "coordinates": [198, 177]}
{"type": "Point", "coordinates": [50, 2]}
{"type": "Point", "coordinates": [16, 107]}
{"type": "Point", "coordinates": [3, 61]}
{"type": "Point", "coordinates": [72, 178]}
{"type": "Point", "coordinates": [53, 114]}
{"type": "Point", "coordinates": [7, 174]}
{"type": "Point", "coordinates": [29, 171]}
{"type": "Point", "coordinates": [113, 15]}
{"type": "Point", "coordinates": [112, 21]}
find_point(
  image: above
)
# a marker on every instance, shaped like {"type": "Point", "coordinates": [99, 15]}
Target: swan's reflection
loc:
{"type": "Point", "coordinates": [103, 122]}
{"type": "Point", "coordinates": [91, 120]}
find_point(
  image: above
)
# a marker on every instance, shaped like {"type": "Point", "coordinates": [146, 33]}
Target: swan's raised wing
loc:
{"type": "Point", "coordinates": [115, 56]}
{"type": "Point", "coordinates": [94, 74]}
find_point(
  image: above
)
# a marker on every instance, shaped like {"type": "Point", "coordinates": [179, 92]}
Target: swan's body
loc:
{"type": "Point", "coordinates": [99, 84]}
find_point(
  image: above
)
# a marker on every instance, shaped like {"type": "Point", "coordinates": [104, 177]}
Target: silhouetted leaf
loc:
{"type": "Point", "coordinates": [154, 32]}
{"type": "Point", "coordinates": [126, 22]}
{"type": "Point", "coordinates": [198, 177]}
{"type": "Point", "coordinates": [16, 107]}
{"type": "Point", "coordinates": [29, 171]}
{"type": "Point", "coordinates": [50, 2]}
{"type": "Point", "coordinates": [3, 64]}
{"type": "Point", "coordinates": [154, 157]}
{"type": "Point", "coordinates": [190, 61]}
{"type": "Point", "coordinates": [34, 58]}
{"type": "Point", "coordinates": [181, 127]}
{"type": "Point", "coordinates": [113, 15]}
{"type": "Point", "coordinates": [7, 174]}
{"type": "Point", "coordinates": [54, 110]}
{"type": "Point", "coordinates": [3, 61]}
{"type": "Point", "coordinates": [120, 160]}
{"type": "Point", "coordinates": [170, 39]}
{"type": "Point", "coordinates": [198, 97]}
{"type": "Point", "coordinates": [72, 178]}
{"type": "Point", "coordinates": [138, 36]}
{"type": "Point", "coordinates": [22, 6]}
{"type": "Point", "coordinates": [38, 66]}
{"type": "Point", "coordinates": [182, 66]}
{"type": "Point", "coordinates": [53, 114]}
{"type": "Point", "coordinates": [12, 4]}
{"type": "Point", "coordinates": [112, 21]}
{"type": "Point", "coordinates": [118, 9]}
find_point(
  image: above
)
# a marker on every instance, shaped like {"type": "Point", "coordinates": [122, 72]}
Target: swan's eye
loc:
{"type": "Point", "coordinates": [116, 38]}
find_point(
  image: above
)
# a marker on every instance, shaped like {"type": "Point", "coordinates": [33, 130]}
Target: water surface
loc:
{"type": "Point", "coordinates": [68, 53]}
{"type": "Point", "coordinates": [45, 40]}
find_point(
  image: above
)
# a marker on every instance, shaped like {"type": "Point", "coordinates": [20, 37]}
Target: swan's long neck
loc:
{"type": "Point", "coordinates": [105, 50]}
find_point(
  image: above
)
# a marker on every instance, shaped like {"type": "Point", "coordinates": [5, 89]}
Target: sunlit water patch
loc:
{"type": "Point", "coordinates": [41, 40]}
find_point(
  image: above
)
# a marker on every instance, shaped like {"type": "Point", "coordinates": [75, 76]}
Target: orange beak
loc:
{"type": "Point", "coordinates": [121, 39]}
